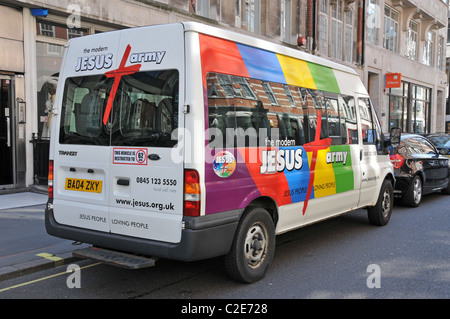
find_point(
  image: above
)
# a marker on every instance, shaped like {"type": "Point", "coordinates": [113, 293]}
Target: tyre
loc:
{"type": "Point", "coordinates": [413, 195]}
{"type": "Point", "coordinates": [253, 247]}
{"type": "Point", "coordinates": [380, 214]}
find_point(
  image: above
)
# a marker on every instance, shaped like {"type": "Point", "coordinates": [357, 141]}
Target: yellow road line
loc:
{"type": "Point", "coordinates": [43, 278]}
{"type": "Point", "coordinates": [49, 257]}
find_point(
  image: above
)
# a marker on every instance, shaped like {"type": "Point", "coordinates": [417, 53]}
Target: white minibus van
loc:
{"type": "Point", "coordinates": [185, 141]}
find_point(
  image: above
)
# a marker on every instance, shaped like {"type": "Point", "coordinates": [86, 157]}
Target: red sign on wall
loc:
{"type": "Point", "coordinates": [393, 80]}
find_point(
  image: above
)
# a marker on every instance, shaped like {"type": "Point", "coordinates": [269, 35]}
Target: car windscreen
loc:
{"type": "Point", "coordinates": [142, 111]}
{"type": "Point", "coordinates": [440, 141]}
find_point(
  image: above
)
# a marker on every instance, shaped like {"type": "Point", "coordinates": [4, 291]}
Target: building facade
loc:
{"type": "Point", "coordinates": [374, 37]}
{"type": "Point", "coordinates": [381, 39]}
{"type": "Point", "coordinates": [408, 38]}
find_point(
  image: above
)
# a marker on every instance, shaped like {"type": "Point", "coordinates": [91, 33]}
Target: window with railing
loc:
{"type": "Point", "coordinates": [428, 49]}
{"type": "Point", "coordinates": [412, 41]}
{"type": "Point", "coordinates": [391, 29]}
{"type": "Point", "coordinates": [348, 36]}
{"type": "Point", "coordinates": [336, 30]}
{"type": "Point", "coordinates": [373, 21]}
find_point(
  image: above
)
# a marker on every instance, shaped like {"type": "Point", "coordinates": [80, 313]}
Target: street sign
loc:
{"type": "Point", "coordinates": [393, 80]}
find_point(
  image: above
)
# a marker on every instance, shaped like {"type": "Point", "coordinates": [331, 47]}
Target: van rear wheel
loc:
{"type": "Point", "coordinates": [253, 247]}
{"type": "Point", "coordinates": [380, 214]}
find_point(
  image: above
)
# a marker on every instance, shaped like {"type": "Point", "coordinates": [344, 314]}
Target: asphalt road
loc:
{"type": "Point", "coordinates": [341, 258]}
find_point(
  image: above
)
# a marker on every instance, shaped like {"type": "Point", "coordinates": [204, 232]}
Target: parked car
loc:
{"type": "Point", "coordinates": [441, 141]}
{"type": "Point", "coordinates": [419, 169]}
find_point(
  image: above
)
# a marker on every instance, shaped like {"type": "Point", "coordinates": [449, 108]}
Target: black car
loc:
{"type": "Point", "coordinates": [441, 141]}
{"type": "Point", "coordinates": [419, 169]}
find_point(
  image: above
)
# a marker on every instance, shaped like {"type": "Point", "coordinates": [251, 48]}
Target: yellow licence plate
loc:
{"type": "Point", "coordinates": [83, 185]}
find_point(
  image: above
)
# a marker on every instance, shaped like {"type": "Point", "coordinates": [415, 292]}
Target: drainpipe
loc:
{"type": "Point", "coordinates": [311, 24]}
{"type": "Point", "coordinates": [360, 47]}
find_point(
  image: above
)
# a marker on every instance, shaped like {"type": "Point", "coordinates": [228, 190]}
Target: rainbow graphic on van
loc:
{"type": "Point", "coordinates": [228, 57]}
{"type": "Point", "coordinates": [286, 174]}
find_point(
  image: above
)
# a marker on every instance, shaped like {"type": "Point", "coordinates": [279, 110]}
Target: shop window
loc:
{"type": "Point", "coordinates": [398, 107]}
{"type": "Point", "coordinates": [420, 109]}
{"type": "Point", "coordinates": [51, 36]}
{"type": "Point", "coordinates": [52, 29]}
{"type": "Point", "coordinates": [409, 108]}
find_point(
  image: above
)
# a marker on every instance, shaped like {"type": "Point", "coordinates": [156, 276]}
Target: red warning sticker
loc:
{"type": "Point", "coordinates": [130, 156]}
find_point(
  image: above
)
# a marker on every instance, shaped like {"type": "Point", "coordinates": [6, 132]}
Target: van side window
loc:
{"type": "Point", "coordinates": [348, 121]}
{"type": "Point", "coordinates": [381, 149]}
{"type": "Point", "coordinates": [370, 125]}
{"type": "Point", "coordinates": [333, 119]}
{"type": "Point", "coordinates": [246, 112]}
{"type": "Point", "coordinates": [312, 106]}
{"type": "Point", "coordinates": [367, 129]}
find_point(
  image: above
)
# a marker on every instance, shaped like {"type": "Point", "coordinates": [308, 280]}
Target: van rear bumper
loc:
{"type": "Point", "coordinates": [203, 237]}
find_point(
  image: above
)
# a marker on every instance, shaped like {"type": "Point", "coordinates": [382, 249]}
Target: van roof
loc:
{"type": "Point", "coordinates": [249, 40]}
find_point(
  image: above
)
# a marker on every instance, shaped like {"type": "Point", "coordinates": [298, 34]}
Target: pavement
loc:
{"type": "Point", "coordinates": [25, 245]}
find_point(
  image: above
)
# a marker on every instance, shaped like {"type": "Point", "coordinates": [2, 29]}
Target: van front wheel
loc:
{"type": "Point", "coordinates": [380, 214]}
{"type": "Point", "coordinates": [253, 247]}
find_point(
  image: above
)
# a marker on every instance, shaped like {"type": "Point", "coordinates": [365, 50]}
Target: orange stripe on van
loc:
{"type": "Point", "coordinates": [221, 56]}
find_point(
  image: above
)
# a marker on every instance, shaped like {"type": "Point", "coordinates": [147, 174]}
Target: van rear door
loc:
{"type": "Point", "coordinates": [81, 143]}
{"type": "Point", "coordinates": [371, 164]}
{"type": "Point", "coordinates": [128, 136]}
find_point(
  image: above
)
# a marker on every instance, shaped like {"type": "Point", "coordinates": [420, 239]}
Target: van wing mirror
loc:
{"type": "Point", "coordinates": [395, 136]}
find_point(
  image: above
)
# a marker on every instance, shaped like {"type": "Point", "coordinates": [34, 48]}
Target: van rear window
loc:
{"type": "Point", "coordinates": [144, 111]}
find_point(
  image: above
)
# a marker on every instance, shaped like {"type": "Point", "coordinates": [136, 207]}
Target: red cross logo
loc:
{"type": "Point", "coordinates": [117, 75]}
{"type": "Point", "coordinates": [314, 147]}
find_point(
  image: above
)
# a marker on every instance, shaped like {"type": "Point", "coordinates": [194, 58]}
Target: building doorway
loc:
{"type": "Point", "coordinates": [7, 124]}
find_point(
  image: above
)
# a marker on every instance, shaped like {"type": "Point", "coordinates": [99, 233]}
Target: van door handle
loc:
{"type": "Point", "coordinates": [154, 157]}
{"type": "Point", "coordinates": [123, 182]}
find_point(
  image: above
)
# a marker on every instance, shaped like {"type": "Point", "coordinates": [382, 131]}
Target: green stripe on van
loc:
{"type": "Point", "coordinates": [343, 172]}
{"type": "Point", "coordinates": [324, 78]}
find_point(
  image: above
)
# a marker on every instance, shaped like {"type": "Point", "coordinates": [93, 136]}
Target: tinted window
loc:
{"type": "Point", "coordinates": [368, 134]}
{"type": "Point", "coordinates": [370, 125]}
{"type": "Point", "coordinates": [417, 145]}
{"type": "Point", "coordinates": [251, 112]}
{"type": "Point", "coordinates": [440, 141]}
{"type": "Point", "coordinates": [348, 122]}
{"type": "Point", "coordinates": [144, 111]}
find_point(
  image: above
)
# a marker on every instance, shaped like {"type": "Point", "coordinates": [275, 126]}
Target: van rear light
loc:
{"type": "Point", "coordinates": [191, 193]}
{"type": "Point", "coordinates": [397, 160]}
{"type": "Point", "coordinates": [50, 179]}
